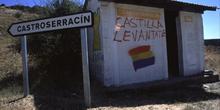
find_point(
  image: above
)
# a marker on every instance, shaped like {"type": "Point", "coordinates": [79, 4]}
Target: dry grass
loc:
{"type": "Point", "coordinates": [7, 17]}
{"type": "Point", "coordinates": [10, 62]}
{"type": "Point", "coordinates": [212, 58]}
{"type": "Point", "coordinates": [176, 98]}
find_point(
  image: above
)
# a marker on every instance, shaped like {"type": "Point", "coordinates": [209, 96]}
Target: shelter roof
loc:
{"type": "Point", "coordinates": [171, 5]}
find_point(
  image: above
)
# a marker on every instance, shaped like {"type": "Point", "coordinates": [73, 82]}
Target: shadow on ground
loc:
{"type": "Point", "coordinates": [71, 97]}
{"type": "Point", "coordinates": [65, 99]}
{"type": "Point", "coordinates": [166, 95]}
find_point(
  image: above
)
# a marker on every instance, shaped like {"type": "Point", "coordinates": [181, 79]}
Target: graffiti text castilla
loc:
{"type": "Point", "coordinates": [137, 28]}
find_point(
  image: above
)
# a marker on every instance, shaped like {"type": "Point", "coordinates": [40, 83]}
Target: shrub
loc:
{"type": "Point", "coordinates": [18, 14]}
{"type": "Point", "coordinates": [57, 53]}
{"type": "Point", "coordinates": [2, 4]}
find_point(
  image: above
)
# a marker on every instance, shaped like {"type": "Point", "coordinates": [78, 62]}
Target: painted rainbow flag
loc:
{"type": "Point", "coordinates": [142, 57]}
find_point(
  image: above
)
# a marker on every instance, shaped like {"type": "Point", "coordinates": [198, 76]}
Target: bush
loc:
{"type": "Point", "coordinates": [57, 53]}
{"type": "Point", "coordinates": [2, 4]}
{"type": "Point", "coordinates": [18, 14]}
{"type": "Point", "coordinates": [52, 44]}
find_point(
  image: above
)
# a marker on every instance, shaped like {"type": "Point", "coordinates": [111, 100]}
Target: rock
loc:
{"type": "Point", "coordinates": [205, 86]}
{"type": "Point", "coordinates": [1, 26]}
{"type": "Point", "coordinates": [0, 33]}
{"type": "Point", "coordinates": [208, 72]}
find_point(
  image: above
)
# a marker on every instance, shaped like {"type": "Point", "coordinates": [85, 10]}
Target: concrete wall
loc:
{"type": "Point", "coordinates": [110, 62]}
{"type": "Point", "coordinates": [192, 43]}
{"type": "Point", "coordinates": [95, 42]}
{"type": "Point", "coordinates": [128, 43]}
{"type": "Point", "coordinates": [121, 34]}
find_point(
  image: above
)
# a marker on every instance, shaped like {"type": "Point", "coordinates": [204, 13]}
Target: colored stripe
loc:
{"type": "Point", "coordinates": [138, 14]}
{"type": "Point", "coordinates": [143, 63]}
{"type": "Point", "coordinates": [142, 55]}
{"type": "Point", "coordinates": [139, 49]}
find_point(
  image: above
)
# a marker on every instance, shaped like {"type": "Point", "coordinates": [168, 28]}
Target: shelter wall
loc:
{"type": "Point", "coordinates": [96, 57]}
{"type": "Point", "coordinates": [127, 43]}
{"type": "Point", "coordinates": [123, 32]}
{"type": "Point", "coordinates": [192, 43]}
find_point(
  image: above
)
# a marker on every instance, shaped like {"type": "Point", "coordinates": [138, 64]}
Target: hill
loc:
{"type": "Point", "coordinates": [9, 16]}
{"type": "Point", "coordinates": [10, 61]}
{"type": "Point", "coordinates": [215, 42]}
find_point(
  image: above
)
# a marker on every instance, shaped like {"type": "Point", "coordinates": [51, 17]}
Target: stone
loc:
{"type": "Point", "coordinates": [208, 72]}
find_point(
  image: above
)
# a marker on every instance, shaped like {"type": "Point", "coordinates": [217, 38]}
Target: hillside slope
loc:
{"type": "Point", "coordinates": [10, 61]}
{"type": "Point", "coordinates": [212, 42]}
{"type": "Point", "coordinates": [9, 16]}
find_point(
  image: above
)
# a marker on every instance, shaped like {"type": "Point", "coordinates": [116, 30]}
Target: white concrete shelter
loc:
{"type": "Point", "coordinates": [134, 41]}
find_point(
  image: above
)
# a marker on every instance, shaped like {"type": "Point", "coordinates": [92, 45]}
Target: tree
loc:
{"type": "Point", "coordinates": [58, 52]}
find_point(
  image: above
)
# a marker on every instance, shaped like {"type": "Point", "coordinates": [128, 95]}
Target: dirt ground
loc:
{"type": "Point", "coordinates": [187, 97]}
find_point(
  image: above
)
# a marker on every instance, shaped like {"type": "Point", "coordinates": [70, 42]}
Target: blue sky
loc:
{"type": "Point", "coordinates": [211, 19]}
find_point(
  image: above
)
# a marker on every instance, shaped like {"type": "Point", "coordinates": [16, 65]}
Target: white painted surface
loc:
{"type": "Point", "coordinates": [157, 71]}
{"type": "Point", "coordinates": [85, 66]}
{"type": "Point", "coordinates": [201, 42]}
{"type": "Point", "coordinates": [64, 22]}
{"type": "Point", "coordinates": [115, 61]}
{"type": "Point", "coordinates": [25, 65]}
{"type": "Point", "coordinates": [111, 71]}
{"type": "Point", "coordinates": [96, 60]}
{"type": "Point", "coordinates": [118, 64]}
{"type": "Point", "coordinates": [113, 66]}
{"type": "Point", "coordinates": [192, 43]}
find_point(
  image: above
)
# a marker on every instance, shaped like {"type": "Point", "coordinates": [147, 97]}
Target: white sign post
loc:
{"type": "Point", "coordinates": [25, 66]}
{"type": "Point", "coordinates": [84, 19]}
{"type": "Point", "coordinates": [85, 64]}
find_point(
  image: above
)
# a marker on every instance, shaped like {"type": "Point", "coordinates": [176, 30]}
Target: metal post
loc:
{"type": "Point", "coordinates": [85, 64]}
{"type": "Point", "coordinates": [25, 65]}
